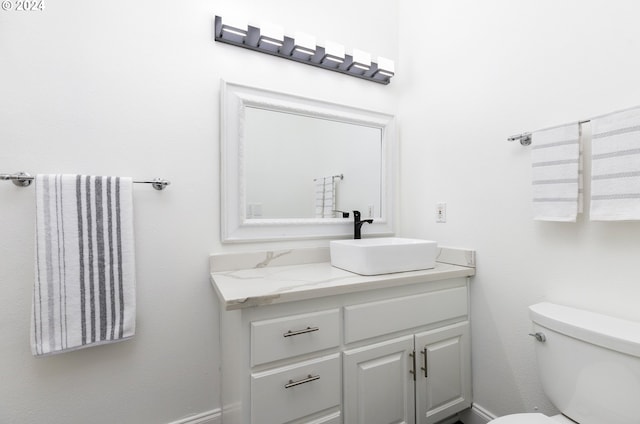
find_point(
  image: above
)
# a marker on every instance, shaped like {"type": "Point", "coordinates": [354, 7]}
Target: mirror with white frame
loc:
{"type": "Point", "coordinates": [291, 165]}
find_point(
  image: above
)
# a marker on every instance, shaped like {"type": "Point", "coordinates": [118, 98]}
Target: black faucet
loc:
{"type": "Point", "coordinates": [357, 224]}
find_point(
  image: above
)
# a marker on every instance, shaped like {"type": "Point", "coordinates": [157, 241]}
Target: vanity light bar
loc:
{"type": "Point", "coordinates": [303, 49]}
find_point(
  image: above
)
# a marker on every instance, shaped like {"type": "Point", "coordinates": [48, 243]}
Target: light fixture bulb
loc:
{"type": "Point", "coordinates": [304, 46]}
{"type": "Point", "coordinates": [361, 62]}
{"type": "Point", "coordinates": [234, 30]}
{"type": "Point", "coordinates": [271, 37]}
{"type": "Point", "coordinates": [333, 54]}
{"type": "Point", "coordinates": [386, 69]}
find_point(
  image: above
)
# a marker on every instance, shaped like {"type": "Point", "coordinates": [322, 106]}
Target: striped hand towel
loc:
{"type": "Point", "coordinates": [556, 174]}
{"type": "Point", "coordinates": [615, 167]}
{"type": "Point", "coordinates": [84, 292]}
{"type": "Point", "coordinates": [325, 192]}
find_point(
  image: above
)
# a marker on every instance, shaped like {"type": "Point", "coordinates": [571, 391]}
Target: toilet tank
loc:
{"type": "Point", "coordinates": [589, 364]}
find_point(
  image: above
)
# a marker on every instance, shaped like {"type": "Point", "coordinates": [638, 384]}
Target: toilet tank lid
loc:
{"type": "Point", "coordinates": [602, 330]}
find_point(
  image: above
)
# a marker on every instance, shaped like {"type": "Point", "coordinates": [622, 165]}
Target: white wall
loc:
{"type": "Point", "coordinates": [473, 73]}
{"type": "Point", "coordinates": [132, 88]}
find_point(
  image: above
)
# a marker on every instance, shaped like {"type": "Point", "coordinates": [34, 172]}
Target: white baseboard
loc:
{"type": "Point", "coordinates": [476, 415]}
{"type": "Point", "coordinates": [210, 417]}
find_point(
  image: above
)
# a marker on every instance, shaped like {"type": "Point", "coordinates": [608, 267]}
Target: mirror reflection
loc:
{"type": "Point", "coordinates": [298, 166]}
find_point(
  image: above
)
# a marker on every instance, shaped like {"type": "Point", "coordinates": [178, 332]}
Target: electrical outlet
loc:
{"type": "Point", "coordinates": [254, 210]}
{"type": "Point", "coordinates": [441, 212]}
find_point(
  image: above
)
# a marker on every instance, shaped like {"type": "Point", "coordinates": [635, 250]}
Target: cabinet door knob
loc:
{"type": "Point", "coordinates": [298, 332]}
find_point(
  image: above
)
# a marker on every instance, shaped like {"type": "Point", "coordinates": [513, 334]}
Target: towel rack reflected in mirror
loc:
{"type": "Point", "coordinates": [22, 179]}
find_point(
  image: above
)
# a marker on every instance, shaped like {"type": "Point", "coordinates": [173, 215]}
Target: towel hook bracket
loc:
{"type": "Point", "coordinates": [159, 183]}
{"type": "Point", "coordinates": [525, 138]}
{"type": "Point", "coordinates": [21, 179]}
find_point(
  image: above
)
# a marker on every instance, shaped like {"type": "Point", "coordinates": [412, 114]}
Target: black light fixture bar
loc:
{"type": "Point", "coordinates": [251, 41]}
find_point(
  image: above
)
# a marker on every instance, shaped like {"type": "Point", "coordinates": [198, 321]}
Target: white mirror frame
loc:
{"type": "Point", "coordinates": [235, 227]}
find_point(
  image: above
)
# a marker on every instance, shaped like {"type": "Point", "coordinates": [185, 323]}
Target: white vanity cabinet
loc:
{"type": "Point", "coordinates": [340, 348]}
{"type": "Point", "coordinates": [383, 384]}
{"type": "Point", "coordinates": [424, 376]}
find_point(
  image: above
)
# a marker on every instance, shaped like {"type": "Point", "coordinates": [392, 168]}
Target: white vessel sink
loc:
{"type": "Point", "coordinates": [385, 255]}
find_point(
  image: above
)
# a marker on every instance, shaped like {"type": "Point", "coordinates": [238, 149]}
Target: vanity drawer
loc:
{"type": "Point", "coordinates": [294, 335]}
{"type": "Point", "coordinates": [284, 394]}
{"type": "Point", "coordinates": [391, 315]}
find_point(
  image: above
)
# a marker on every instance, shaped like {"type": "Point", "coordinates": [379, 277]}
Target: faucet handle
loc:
{"type": "Point", "coordinates": [356, 215]}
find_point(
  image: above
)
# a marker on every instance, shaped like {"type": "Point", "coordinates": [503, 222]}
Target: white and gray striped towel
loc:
{"type": "Point", "coordinates": [84, 292]}
{"type": "Point", "coordinates": [615, 167]}
{"type": "Point", "coordinates": [325, 195]}
{"type": "Point", "coordinates": [556, 174]}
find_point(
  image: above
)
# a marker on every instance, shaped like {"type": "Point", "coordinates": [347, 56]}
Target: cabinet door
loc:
{"type": "Point", "coordinates": [378, 385]}
{"type": "Point", "coordinates": [443, 383]}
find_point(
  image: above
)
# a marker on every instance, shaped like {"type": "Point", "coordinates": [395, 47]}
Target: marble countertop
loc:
{"type": "Point", "coordinates": [269, 283]}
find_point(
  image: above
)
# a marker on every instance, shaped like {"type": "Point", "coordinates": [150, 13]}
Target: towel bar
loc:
{"type": "Point", "coordinates": [22, 179]}
{"type": "Point", "coordinates": [341, 176]}
{"type": "Point", "coordinates": [525, 138]}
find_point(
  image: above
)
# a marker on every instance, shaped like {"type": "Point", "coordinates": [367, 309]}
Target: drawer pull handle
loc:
{"type": "Point", "coordinates": [298, 332]}
{"type": "Point", "coordinates": [309, 379]}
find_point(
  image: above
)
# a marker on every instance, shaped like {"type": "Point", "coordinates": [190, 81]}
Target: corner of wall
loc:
{"type": "Point", "coordinates": [476, 415]}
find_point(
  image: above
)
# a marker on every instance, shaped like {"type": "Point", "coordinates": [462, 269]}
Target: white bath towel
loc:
{"type": "Point", "coordinates": [615, 167]}
{"type": "Point", "coordinates": [84, 292]}
{"type": "Point", "coordinates": [556, 173]}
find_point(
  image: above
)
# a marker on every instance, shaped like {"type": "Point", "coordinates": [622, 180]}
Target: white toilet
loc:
{"type": "Point", "coordinates": [589, 366]}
